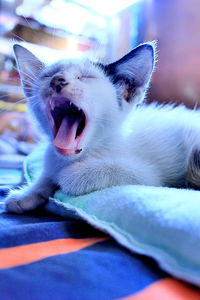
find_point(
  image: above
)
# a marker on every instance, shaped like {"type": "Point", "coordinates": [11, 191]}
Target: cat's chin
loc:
{"type": "Point", "coordinates": [68, 152]}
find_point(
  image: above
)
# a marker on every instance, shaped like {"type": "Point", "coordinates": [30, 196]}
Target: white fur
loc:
{"type": "Point", "coordinates": [124, 144]}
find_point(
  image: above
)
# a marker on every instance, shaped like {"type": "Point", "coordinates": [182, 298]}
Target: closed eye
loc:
{"type": "Point", "coordinates": [46, 76]}
{"type": "Point", "coordinates": [82, 77]}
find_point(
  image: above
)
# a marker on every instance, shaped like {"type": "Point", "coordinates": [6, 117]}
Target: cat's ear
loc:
{"type": "Point", "coordinates": [29, 66]}
{"type": "Point", "coordinates": [133, 71]}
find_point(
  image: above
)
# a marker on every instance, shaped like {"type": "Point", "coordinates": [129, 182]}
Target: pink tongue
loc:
{"type": "Point", "coordinates": [65, 137]}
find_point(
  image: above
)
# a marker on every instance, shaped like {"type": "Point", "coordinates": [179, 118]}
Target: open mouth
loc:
{"type": "Point", "coordinates": [68, 123]}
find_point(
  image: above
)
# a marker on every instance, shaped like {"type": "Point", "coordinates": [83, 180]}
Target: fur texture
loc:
{"type": "Point", "coordinates": [119, 142]}
{"type": "Point", "coordinates": [193, 174]}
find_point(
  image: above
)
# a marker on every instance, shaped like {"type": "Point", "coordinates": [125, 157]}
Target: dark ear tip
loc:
{"type": "Point", "coordinates": [16, 47]}
{"type": "Point", "coordinates": [150, 46]}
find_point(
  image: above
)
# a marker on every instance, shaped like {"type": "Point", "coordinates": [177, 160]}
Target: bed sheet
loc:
{"type": "Point", "coordinates": [43, 256]}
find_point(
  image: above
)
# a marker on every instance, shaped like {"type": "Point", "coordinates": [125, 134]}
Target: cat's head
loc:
{"type": "Point", "coordinates": [78, 103]}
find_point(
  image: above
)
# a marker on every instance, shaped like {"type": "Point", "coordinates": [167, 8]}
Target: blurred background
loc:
{"type": "Point", "coordinates": [100, 29]}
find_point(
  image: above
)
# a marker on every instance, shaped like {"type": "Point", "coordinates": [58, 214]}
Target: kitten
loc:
{"type": "Point", "coordinates": [98, 134]}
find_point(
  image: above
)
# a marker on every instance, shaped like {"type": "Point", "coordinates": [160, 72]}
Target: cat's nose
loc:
{"type": "Point", "coordinates": [57, 83]}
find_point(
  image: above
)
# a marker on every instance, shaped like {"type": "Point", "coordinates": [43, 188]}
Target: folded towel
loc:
{"type": "Point", "coordinates": [163, 223]}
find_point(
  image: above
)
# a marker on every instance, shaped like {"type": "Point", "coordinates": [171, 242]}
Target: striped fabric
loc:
{"type": "Point", "coordinates": [43, 256]}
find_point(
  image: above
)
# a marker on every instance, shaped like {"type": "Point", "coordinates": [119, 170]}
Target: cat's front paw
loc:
{"type": "Point", "coordinates": [18, 202]}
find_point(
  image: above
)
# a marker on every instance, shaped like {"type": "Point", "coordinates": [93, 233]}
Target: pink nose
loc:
{"type": "Point", "coordinates": [57, 83]}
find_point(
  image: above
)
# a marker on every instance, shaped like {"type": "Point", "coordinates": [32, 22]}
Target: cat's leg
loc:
{"type": "Point", "coordinates": [88, 176]}
{"type": "Point", "coordinates": [31, 196]}
{"type": "Point", "coordinates": [193, 171]}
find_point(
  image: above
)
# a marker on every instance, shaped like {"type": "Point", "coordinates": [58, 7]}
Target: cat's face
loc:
{"type": "Point", "coordinates": [79, 103]}
{"type": "Point", "coordinates": [78, 99]}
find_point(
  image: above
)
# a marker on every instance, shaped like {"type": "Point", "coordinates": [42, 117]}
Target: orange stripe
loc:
{"type": "Point", "coordinates": [21, 255]}
{"type": "Point", "coordinates": [167, 289]}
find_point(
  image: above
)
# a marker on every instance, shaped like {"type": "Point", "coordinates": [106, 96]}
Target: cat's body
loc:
{"type": "Point", "coordinates": [99, 136]}
{"type": "Point", "coordinates": [154, 149]}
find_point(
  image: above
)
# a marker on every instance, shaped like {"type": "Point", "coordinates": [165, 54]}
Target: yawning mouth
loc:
{"type": "Point", "coordinates": [68, 123]}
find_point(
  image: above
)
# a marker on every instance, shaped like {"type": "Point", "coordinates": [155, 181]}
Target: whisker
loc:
{"type": "Point", "coordinates": [34, 80]}
{"type": "Point", "coordinates": [53, 35]}
{"type": "Point", "coordinates": [17, 36]}
{"type": "Point", "coordinates": [9, 93]}
{"type": "Point", "coordinates": [8, 106]}
{"type": "Point", "coordinates": [4, 96]}
{"type": "Point", "coordinates": [33, 104]}
{"type": "Point", "coordinates": [32, 84]}
{"type": "Point", "coordinates": [29, 24]}
{"type": "Point", "coordinates": [25, 74]}
{"type": "Point", "coordinates": [13, 80]}
{"type": "Point", "coordinates": [24, 100]}
{"type": "Point", "coordinates": [11, 106]}
{"type": "Point", "coordinates": [34, 76]}
{"type": "Point", "coordinates": [30, 97]}
{"type": "Point", "coordinates": [31, 87]}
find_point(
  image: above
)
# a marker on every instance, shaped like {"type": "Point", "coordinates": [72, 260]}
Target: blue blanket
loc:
{"type": "Point", "coordinates": [44, 256]}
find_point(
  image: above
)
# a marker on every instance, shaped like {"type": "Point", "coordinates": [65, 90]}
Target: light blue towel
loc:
{"type": "Point", "coordinates": [163, 223]}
